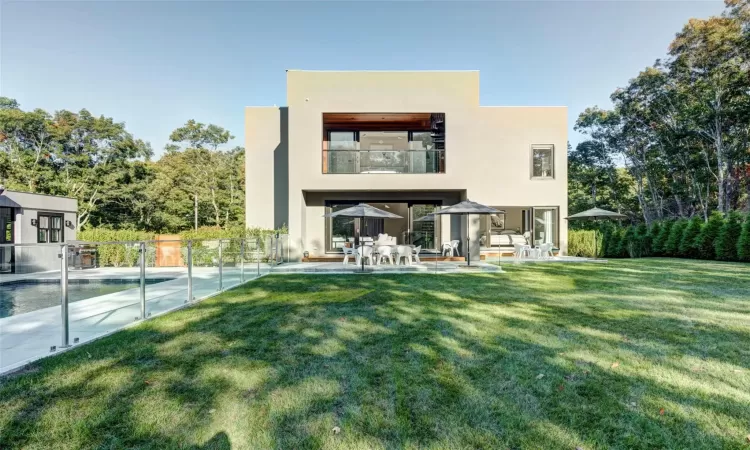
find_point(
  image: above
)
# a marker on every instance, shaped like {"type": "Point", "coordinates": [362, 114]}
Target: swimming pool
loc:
{"type": "Point", "coordinates": [18, 297]}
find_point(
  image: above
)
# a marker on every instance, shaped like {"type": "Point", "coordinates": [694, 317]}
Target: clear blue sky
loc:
{"type": "Point", "coordinates": [155, 65]}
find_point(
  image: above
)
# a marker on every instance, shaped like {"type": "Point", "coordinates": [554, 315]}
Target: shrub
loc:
{"type": "Point", "coordinates": [725, 245]}
{"type": "Point", "coordinates": [743, 244]}
{"type": "Point", "coordinates": [614, 241]}
{"type": "Point", "coordinates": [653, 235]}
{"type": "Point", "coordinates": [119, 254]}
{"type": "Point", "coordinates": [704, 242]}
{"type": "Point", "coordinates": [659, 242]}
{"type": "Point", "coordinates": [581, 243]}
{"type": "Point", "coordinates": [672, 245]}
{"type": "Point", "coordinates": [639, 244]}
{"type": "Point", "coordinates": [688, 247]}
{"type": "Point", "coordinates": [627, 236]}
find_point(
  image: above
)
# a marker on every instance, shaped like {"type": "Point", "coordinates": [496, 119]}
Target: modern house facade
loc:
{"type": "Point", "coordinates": [409, 143]}
{"type": "Point", "coordinates": [27, 218]}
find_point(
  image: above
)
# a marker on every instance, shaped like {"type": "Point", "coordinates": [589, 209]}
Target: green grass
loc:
{"type": "Point", "coordinates": [651, 353]}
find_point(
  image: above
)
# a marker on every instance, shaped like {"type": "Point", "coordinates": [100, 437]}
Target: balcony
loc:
{"type": "Point", "coordinates": [384, 161]}
{"type": "Point", "coordinates": [401, 143]}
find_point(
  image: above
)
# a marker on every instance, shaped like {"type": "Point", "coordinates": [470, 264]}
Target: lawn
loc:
{"type": "Point", "coordinates": [651, 353]}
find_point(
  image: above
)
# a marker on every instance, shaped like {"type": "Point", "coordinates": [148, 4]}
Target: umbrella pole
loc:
{"type": "Point", "coordinates": [362, 246]}
{"type": "Point", "coordinates": [468, 239]}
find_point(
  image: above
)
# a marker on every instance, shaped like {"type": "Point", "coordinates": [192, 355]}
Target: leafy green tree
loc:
{"type": "Point", "coordinates": [729, 234]}
{"type": "Point", "coordinates": [688, 247]}
{"type": "Point", "coordinates": [743, 244]}
{"type": "Point", "coordinates": [672, 245]}
{"type": "Point", "coordinates": [627, 238]}
{"type": "Point", "coordinates": [709, 232]}
{"type": "Point", "coordinates": [653, 236]}
{"type": "Point", "coordinates": [660, 239]}
{"type": "Point", "coordinates": [641, 245]}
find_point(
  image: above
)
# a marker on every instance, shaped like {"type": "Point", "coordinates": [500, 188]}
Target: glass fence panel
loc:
{"type": "Point", "coordinates": [104, 282]}
{"type": "Point", "coordinates": [30, 316]}
{"type": "Point", "coordinates": [230, 260]}
{"type": "Point", "coordinates": [384, 161]}
{"type": "Point", "coordinates": [166, 277]}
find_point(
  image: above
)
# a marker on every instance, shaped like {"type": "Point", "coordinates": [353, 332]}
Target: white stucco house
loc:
{"type": "Point", "coordinates": [409, 142]}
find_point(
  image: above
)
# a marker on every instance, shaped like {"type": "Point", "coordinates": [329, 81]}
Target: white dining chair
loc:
{"type": "Point", "coordinates": [415, 254]}
{"type": "Point", "coordinates": [403, 251]}
{"type": "Point", "coordinates": [451, 247]}
{"type": "Point", "coordinates": [348, 251]}
{"type": "Point", "coordinates": [366, 253]}
{"type": "Point", "coordinates": [545, 251]}
{"type": "Point", "coordinates": [521, 250]}
{"type": "Point", "coordinates": [384, 251]}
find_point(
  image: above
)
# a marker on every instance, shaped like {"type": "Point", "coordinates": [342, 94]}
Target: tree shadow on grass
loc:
{"type": "Point", "coordinates": [448, 361]}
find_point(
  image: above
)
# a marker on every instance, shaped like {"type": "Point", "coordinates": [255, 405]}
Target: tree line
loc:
{"type": "Point", "coordinates": [676, 142]}
{"type": "Point", "coordinates": [112, 174]}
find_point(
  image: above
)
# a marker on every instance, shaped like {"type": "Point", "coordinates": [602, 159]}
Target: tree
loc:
{"type": "Point", "coordinates": [688, 247]}
{"type": "Point", "coordinates": [660, 239]}
{"type": "Point", "coordinates": [672, 246]}
{"type": "Point", "coordinates": [198, 135]}
{"type": "Point", "coordinates": [743, 244]}
{"type": "Point", "coordinates": [653, 238]}
{"type": "Point", "coordinates": [708, 234]}
{"type": "Point", "coordinates": [727, 240]}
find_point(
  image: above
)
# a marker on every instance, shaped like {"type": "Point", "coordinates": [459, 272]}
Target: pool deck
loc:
{"type": "Point", "coordinates": [33, 335]}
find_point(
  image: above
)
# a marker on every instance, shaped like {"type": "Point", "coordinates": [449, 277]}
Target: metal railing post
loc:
{"type": "Point", "coordinates": [142, 250]}
{"type": "Point", "coordinates": [257, 253]}
{"type": "Point", "coordinates": [190, 270]}
{"type": "Point", "coordinates": [242, 260]}
{"type": "Point", "coordinates": [221, 272]}
{"type": "Point", "coordinates": [64, 295]}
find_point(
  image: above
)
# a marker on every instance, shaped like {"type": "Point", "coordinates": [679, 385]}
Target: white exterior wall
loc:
{"type": "Point", "coordinates": [487, 156]}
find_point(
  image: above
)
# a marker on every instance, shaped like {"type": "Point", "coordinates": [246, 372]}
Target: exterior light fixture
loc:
{"type": "Point", "coordinates": [34, 222]}
{"type": "Point", "coordinates": [68, 223]}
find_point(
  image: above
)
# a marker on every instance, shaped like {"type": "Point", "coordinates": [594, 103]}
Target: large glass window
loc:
{"type": "Point", "coordinates": [49, 228]}
{"type": "Point", "coordinates": [386, 143]}
{"type": "Point", "coordinates": [340, 230]}
{"type": "Point", "coordinates": [545, 226]}
{"type": "Point", "coordinates": [424, 232]}
{"type": "Point", "coordinates": [342, 140]}
{"type": "Point", "coordinates": [542, 161]}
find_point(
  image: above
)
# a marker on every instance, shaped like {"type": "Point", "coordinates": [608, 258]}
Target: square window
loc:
{"type": "Point", "coordinates": [542, 162]}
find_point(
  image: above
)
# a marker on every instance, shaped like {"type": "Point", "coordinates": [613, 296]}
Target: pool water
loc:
{"type": "Point", "coordinates": [20, 297]}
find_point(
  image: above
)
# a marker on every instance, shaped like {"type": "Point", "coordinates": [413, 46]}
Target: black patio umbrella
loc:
{"type": "Point", "coordinates": [363, 211]}
{"type": "Point", "coordinates": [597, 214]}
{"type": "Point", "coordinates": [467, 208]}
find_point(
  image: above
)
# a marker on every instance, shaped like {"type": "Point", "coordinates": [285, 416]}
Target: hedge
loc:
{"type": "Point", "coordinates": [743, 245]}
{"type": "Point", "coordinates": [205, 245]}
{"type": "Point", "coordinates": [581, 243]}
{"type": "Point", "coordinates": [720, 238]}
{"type": "Point", "coordinates": [727, 242]}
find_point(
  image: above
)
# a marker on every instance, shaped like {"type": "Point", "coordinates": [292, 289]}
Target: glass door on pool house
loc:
{"type": "Point", "coordinates": [6, 237]}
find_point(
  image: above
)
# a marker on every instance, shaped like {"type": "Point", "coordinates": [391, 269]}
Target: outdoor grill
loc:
{"type": "Point", "coordinates": [82, 256]}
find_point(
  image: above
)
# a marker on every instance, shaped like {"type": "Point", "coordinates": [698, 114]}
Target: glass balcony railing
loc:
{"type": "Point", "coordinates": [384, 161]}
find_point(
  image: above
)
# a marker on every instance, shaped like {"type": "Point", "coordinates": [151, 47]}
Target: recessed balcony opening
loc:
{"type": "Point", "coordinates": [383, 143]}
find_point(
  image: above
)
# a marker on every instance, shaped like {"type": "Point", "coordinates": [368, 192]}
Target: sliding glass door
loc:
{"type": "Point", "coordinates": [6, 237]}
{"type": "Point", "coordinates": [424, 232]}
{"type": "Point", "coordinates": [545, 225]}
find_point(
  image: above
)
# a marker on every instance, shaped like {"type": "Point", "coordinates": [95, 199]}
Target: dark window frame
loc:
{"type": "Point", "coordinates": [550, 147]}
{"type": "Point", "coordinates": [49, 228]}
